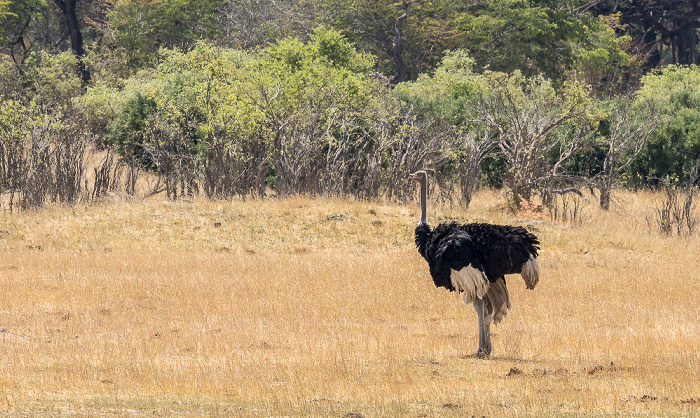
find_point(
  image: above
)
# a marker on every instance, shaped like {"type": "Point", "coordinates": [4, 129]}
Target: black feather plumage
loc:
{"type": "Point", "coordinates": [496, 250]}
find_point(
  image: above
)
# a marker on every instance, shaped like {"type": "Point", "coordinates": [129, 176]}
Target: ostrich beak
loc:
{"type": "Point", "coordinates": [413, 176]}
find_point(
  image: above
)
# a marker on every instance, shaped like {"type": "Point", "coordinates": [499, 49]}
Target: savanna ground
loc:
{"type": "Point", "coordinates": [323, 307]}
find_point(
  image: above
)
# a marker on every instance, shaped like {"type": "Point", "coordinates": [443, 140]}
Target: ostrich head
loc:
{"type": "Point", "coordinates": [422, 178]}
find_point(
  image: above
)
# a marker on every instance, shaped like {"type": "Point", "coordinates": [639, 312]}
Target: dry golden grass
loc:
{"type": "Point", "coordinates": [324, 308]}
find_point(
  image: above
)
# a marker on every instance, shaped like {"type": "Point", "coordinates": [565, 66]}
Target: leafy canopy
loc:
{"type": "Point", "coordinates": [673, 149]}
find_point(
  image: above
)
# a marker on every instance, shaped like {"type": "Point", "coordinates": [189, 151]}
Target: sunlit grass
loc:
{"type": "Point", "coordinates": [323, 307]}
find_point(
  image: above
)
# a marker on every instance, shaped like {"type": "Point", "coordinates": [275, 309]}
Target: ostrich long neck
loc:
{"type": "Point", "coordinates": [423, 202]}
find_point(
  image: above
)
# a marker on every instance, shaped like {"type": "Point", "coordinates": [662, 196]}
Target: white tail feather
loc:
{"type": "Point", "coordinates": [531, 273]}
{"type": "Point", "coordinates": [499, 300]}
{"type": "Point", "coordinates": [472, 282]}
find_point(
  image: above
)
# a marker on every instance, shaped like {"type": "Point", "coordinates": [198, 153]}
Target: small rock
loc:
{"type": "Point", "coordinates": [595, 369]}
{"type": "Point", "coordinates": [514, 371]}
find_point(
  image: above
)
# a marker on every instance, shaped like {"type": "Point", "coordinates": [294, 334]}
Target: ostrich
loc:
{"type": "Point", "coordinates": [473, 259]}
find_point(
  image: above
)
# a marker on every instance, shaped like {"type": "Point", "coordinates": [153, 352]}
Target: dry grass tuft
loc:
{"type": "Point", "coordinates": [323, 307]}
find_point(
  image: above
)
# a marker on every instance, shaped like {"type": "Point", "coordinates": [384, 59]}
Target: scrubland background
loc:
{"type": "Point", "coordinates": [139, 277]}
{"type": "Point", "coordinates": [323, 307]}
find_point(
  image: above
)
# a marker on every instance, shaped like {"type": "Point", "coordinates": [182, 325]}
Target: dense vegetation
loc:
{"type": "Point", "coordinates": [243, 97]}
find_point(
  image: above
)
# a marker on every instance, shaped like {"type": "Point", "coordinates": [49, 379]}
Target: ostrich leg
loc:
{"type": "Point", "coordinates": [484, 350]}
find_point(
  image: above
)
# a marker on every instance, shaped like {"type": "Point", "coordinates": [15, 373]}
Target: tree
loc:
{"type": "Point", "coordinates": [138, 29]}
{"type": "Point", "coordinates": [41, 156]}
{"type": "Point", "coordinates": [53, 80]}
{"type": "Point", "coordinates": [674, 146]}
{"type": "Point", "coordinates": [665, 31]}
{"type": "Point", "coordinates": [35, 26]}
{"type": "Point", "coordinates": [538, 128]}
{"type": "Point", "coordinates": [605, 59]}
{"type": "Point", "coordinates": [628, 131]}
{"type": "Point", "coordinates": [531, 36]}
{"type": "Point", "coordinates": [371, 26]}
{"type": "Point", "coordinates": [16, 28]}
{"type": "Point", "coordinates": [474, 151]}
{"type": "Point", "coordinates": [250, 24]}
{"type": "Point", "coordinates": [446, 98]}
{"type": "Point", "coordinates": [295, 117]}
{"type": "Point", "coordinates": [316, 107]}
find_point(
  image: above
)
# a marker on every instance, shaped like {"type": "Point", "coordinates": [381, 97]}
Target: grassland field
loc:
{"type": "Point", "coordinates": [323, 307]}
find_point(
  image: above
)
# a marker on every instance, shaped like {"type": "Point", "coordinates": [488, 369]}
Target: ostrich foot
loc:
{"type": "Point", "coordinates": [480, 354]}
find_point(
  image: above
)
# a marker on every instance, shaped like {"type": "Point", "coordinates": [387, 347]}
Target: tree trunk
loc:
{"type": "Point", "coordinates": [76, 38]}
{"type": "Point", "coordinates": [605, 198]}
{"type": "Point", "coordinates": [518, 193]}
{"type": "Point", "coordinates": [399, 73]}
{"type": "Point", "coordinates": [606, 184]}
{"type": "Point", "coordinates": [686, 44]}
